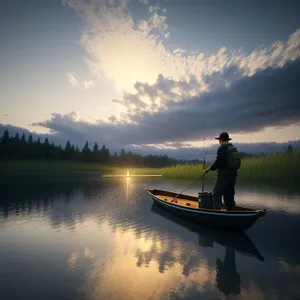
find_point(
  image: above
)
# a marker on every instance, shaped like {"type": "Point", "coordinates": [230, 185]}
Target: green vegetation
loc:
{"type": "Point", "coordinates": [18, 154]}
{"type": "Point", "coordinates": [282, 165]}
{"type": "Point", "coordinates": [278, 166]}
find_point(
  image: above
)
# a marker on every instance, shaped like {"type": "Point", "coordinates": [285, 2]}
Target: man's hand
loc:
{"type": "Point", "coordinates": [204, 171]}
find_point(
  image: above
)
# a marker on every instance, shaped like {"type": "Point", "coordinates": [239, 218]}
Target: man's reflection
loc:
{"type": "Point", "coordinates": [228, 279]}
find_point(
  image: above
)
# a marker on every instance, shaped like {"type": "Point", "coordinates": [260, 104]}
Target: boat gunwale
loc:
{"type": "Point", "coordinates": [248, 212]}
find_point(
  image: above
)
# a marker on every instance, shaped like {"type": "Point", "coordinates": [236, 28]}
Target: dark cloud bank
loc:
{"type": "Point", "coordinates": [270, 97]}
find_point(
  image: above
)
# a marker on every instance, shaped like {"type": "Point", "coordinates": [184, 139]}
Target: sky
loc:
{"type": "Point", "coordinates": [152, 76]}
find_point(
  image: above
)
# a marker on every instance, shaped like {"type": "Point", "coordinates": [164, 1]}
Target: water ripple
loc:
{"type": "Point", "coordinates": [104, 239]}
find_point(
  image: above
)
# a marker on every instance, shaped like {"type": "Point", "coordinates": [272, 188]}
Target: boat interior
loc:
{"type": "Point", "coordinates": [190, 201]}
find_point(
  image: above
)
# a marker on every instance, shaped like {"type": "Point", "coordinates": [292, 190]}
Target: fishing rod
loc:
{"type": "Point", "coordinates": [186, 188]}
{"type": "Point", "coordinates": [204, 155]}
{"type": "Point", "coordinates": [203, 168]}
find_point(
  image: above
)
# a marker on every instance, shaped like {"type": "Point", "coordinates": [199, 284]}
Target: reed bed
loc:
{"type": "Point", "coordinates": [282, 165]}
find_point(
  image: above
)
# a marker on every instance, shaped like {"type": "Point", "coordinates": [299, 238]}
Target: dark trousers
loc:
{"type": "Point", "coordinates": [224, 186]}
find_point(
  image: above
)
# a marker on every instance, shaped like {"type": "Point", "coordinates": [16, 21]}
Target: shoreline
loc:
{"type": "Point", "coordinates": [52, 173]}
{"type": "Point", "coordinates": [276, 167]}
{"type": "Point", "coordinates": [101, 174]}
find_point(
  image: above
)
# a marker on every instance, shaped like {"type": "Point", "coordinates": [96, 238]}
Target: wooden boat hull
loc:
{"type": "Point", "coordinates": [239, 220]}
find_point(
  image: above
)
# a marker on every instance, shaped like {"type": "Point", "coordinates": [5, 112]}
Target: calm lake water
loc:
{"type": "Point", "coordinates": [93, 238]}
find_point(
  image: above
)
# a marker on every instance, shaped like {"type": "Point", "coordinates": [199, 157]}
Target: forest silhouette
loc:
{"type": "Point", "coordinates": [19, 147]}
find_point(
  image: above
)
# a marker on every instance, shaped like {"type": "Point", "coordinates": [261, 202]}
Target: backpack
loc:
{"type": "Point", "coordinates": [233, 158]}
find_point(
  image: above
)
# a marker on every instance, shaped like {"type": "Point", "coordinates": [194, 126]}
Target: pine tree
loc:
{"type": "Point", "coordinates": [96, 152]}
{"type": "Point", "coordinates": [30, 140]}
{"type": "Point", "coordinates": [77, 153]}
{"type": "Point", "coordinates": [15, 147]}
{"type": "Point", "coordinates": [68, 151]}
{"type": "Point", "coordinates": [46, 142]}
{"type": "Point", "coordinates": [68, 147]}
{"type": "Point", "coordinates": [31, 151]}
{"type": "Point", "coordinates": [5, 137]}
{"type": "Point", "coordinates": [17, 137]}
{"type": "Point", "coordinates": [96, 148]}
{"type": "Point", "coordinates": [23, 138]}
{"type": "Point", "coordinates": [107, 156]}
{"type": "Point", "coordinates": [5, 144]}
{"type": "Point", "coordinates": [46, 148]}
{"type": "Point", "coordinates": [86, 152]}
{"type": "Point", "coordinates": [289, 149]}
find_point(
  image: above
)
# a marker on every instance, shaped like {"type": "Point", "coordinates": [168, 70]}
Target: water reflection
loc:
{"type": "Point", "coordinates": [145, 267]}
{"type": "Point", "coordinates": [104, 239]}
{"type": "Point", "coordinates": [227, 278]}
{"type": "Point", "coordinates": [238, 241]}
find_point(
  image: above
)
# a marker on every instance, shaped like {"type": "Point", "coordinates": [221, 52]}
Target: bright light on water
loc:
{"type": "Point", "coordinates": [128, 175]}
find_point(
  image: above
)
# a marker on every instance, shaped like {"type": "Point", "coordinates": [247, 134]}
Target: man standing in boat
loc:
{"type": "Point", "coordinates": [227, 163]}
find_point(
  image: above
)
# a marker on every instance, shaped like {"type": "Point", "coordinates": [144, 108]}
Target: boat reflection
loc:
{"type": "Point", "coordinates": [227, 278]}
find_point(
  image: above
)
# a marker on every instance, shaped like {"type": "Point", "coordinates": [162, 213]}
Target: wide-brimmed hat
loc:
{"type": "Point", "coordinates": [223, 136]}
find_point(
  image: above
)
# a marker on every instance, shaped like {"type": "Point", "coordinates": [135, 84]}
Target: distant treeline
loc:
{"type": "Point", "coordinates": [19, 148]}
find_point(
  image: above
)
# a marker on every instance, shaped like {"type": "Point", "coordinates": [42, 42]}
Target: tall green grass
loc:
{"type": "Point", "coordinates": [273, 166]}
{"type": "Point", "coordinates": [283, 166]}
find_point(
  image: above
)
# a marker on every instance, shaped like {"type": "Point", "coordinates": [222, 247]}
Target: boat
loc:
{"type": "Point", "coordinates": [187, 206]}
{"type": "Point", "coordinates": [207, 237]}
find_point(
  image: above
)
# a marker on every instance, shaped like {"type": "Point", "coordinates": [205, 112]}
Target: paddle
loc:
{"type": "Point", "coordinates": [187, 188]}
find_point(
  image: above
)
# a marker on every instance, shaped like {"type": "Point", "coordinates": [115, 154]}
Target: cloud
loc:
{"type": "Point", "coordinates": [72, 79]}
{"type": "Point", "coordinates": [249, 104]}
{"type": "Point", "coordinates": [88, 84]}
{"type": "Point", "coordinates": [269, 98]}
{"type": "Point", "coordinates": [170, 94]}
{"type": "Point", "coordinates": [124, 49]}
